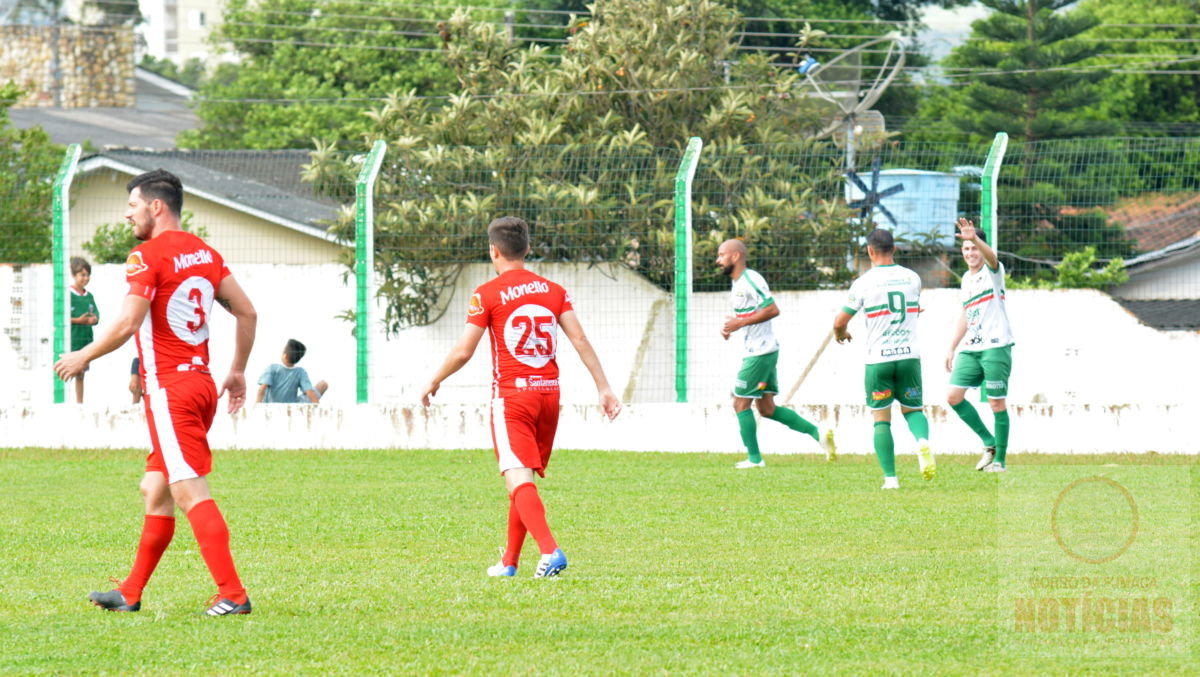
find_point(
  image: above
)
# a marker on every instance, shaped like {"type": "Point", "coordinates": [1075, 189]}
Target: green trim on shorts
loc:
{"type": "Point", "coordinates": [898, 380]}
{"type": "Point", "coordinates": [989, 368]}
{"type": "Point", "coordinates": [757, 376]}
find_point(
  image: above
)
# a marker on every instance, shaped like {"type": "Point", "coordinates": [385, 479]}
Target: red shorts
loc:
{"type": "Point", "coordinates": [180, 411]}
{"type": "Point", "coordinates": [523, 427]}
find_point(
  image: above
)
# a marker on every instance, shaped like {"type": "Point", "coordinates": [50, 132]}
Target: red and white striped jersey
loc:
{"type": "Point", "coordinates": [521, 311]}
{"type": "Point", "coordinates": [180, 275]}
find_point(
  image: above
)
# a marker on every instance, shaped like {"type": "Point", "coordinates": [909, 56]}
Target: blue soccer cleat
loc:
{"type": "Point", "coordinates": [551, 565]}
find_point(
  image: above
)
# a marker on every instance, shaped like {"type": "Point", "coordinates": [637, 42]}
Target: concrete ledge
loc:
{"type": "Point", "coordinates": [1043, 428]}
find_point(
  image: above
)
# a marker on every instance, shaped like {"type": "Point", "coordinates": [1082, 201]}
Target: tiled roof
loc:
{"type": "Point", "coordinates": [263, 180]}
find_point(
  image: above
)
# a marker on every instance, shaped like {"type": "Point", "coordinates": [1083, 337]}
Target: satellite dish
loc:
{"type": "Point", "coordinates": [850, 89]}
{"type": "Point", "coordinates": [867, 124]}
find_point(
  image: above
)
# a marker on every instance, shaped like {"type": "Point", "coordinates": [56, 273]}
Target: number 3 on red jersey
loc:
{"type": "Point", "coordinates": [530, 334]}
{"type": "Point", "coordinates": [188, 309]}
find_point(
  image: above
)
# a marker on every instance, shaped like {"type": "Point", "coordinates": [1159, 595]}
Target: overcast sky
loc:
{"type": "Point", "coordinates": [948, 27]}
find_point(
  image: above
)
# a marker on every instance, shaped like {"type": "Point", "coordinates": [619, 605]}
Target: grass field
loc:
{"type": "Point", "coordinates": [373, 562]}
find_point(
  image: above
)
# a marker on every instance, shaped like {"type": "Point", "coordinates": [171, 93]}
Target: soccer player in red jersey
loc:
{"type": "Point", "coordinates": [523, 313]}
{"type": "Point", "coordinates": [174, 277]}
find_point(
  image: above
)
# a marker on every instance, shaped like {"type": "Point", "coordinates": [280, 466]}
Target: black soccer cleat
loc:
{"type": "Point", "coordinates": [113, 600]}
{"type": "Point", "coordinates": [227, 607]}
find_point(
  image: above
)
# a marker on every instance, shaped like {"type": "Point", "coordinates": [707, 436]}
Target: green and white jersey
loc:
{"type": "Point", "coordinates": [982, 298]}
{"type": "Point", "coordinates": [749, 294]}
{"type": "Point", "coordinates": [890, 296]}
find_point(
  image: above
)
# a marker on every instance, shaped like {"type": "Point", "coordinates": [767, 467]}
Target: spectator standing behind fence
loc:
{"type": "Point", "coordinates": [286, 383]}
{"type": "Point", "coordinates": [84, 314]}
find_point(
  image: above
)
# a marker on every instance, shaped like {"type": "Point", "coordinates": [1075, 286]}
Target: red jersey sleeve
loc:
{"type": "Point", "coordinates": [477, 313]}
{"type": "Point", "coordinates": [142, 279]}
{"type": "Point", "coordinates": [567, 303]}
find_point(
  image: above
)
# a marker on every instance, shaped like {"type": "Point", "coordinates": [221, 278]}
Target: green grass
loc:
{"type": "Point", "coordinates": [373, 562]}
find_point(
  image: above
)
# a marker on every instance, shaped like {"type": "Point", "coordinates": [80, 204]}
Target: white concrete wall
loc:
{"type": "Point", "coordinates": [1078, 356]}
{"type": "Point", "coordinates": [1059, 429]}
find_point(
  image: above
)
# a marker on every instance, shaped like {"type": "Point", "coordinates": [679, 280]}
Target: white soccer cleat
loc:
{"type": "Point", "coordinates": [891, 483]}
{"type": "Point", "coordinates": [989, 455]}
{"type": "Point", "coordinates": [747, 463]}
{"type": "Point", "coordinates": [995, 467]}
{"type": "Point", "coordinates": [925, 459]}
{"type": "Point", "coordinates": [829, 445]}
{"type": "Point", "coordinates": [501, 569]}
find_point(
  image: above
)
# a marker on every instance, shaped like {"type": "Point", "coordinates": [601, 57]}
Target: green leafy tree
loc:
{"type": "Point", "coordinates": [1165, 44]}
{"type": "Point", "coordinates": [1079, 270]}
{"type": "Point", "coordinates": [586, 146]}
{"type": "Point", "coordinates": [1032, 71]}
{"type": "Point", "coordinates": [309, 72]}
{"type": "Point", "coordinates": [28, 164]}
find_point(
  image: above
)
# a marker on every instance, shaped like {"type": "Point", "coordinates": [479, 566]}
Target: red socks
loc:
{"type": "Point", "coordinates": [516, 536]}
{"type": "Point", "coordinates": [157, 532]}
{"type": "Point", "coordinates": [212, 535]}
{"type": "Point", "coordinates": [528, 505]}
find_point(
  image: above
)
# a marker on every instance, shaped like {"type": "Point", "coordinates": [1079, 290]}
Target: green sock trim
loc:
{"type": "Point", "coordinates": [1001, 436]}
{"type": "Point", "coordinates": [749, 429]}
{"type": "Point", "coordinates": [918, 424]}
{"type": "Point", "coordinates": [966, 411]}
{"type": "Point", "coordinates": [885, 448]}
{"type": "Point", "coordinates": [794, 421]}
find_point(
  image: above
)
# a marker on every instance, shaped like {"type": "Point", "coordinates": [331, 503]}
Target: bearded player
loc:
{"type": "Point", "coordinates": [522, 313]}
{"type": "Point", "coordinates": [174, 277]}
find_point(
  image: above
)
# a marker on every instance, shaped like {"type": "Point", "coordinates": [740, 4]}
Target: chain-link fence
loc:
{"type": "Point", "coordinates": [603, 225]}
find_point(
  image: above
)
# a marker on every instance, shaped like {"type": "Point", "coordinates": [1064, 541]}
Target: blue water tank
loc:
{"type": "Point", "coordinates": [928, 203]}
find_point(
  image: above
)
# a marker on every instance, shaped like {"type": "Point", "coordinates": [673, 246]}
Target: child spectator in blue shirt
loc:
{"type": "Point", "coordinates": [287, 383]}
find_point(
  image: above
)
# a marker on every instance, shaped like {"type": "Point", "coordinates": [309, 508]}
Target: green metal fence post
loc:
{"type": "Point", "coordinates": [991, 174]}
{"type": "Point", "coordinates": [683, 261]}
{"type": "Point", "coordinates": [364, 263]}
{"type": "Point", "coordinates": [59, 259]}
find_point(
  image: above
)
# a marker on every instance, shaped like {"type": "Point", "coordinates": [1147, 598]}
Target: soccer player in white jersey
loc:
{"type": "Point", "coordinates": [890, 298]}
{"type": "Point", "coordinates": [758, 380]}
{"type": "Point", "coordinates": [983, 340]}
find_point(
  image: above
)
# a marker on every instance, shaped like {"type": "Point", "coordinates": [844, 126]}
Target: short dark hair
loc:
{"type": "Point", "coordinates": [159, 184]}
{"type": "Point", "coordinates": [981, 234]}
{"type": "Point", "coordinates": [509, 234]}
{"type": "Point", "coordinates": [881, 241]}
{"type": "Point", "coordinates": [79, 263]}
{"type": "Point", "coordinates": [295, 350]}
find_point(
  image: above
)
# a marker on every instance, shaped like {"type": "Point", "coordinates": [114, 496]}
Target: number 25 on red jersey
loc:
{"type": "Point", "coordinates": [530, 334]}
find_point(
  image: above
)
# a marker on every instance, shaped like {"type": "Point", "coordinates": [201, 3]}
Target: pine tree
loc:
{"type": "Point", "coordinates": [1029, 70]}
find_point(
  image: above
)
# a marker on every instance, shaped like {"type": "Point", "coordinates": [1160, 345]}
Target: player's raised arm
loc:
{"type": "Point", "coordinates": [968, 233]}
{"type": "Point", "coordinates": [133, 311]}
{"type": "Point", "coordinates": [459, 355]}
{"type": "Point", "coordinates": [231, 297]}
{"type": "Point", "coordinates": [574, 331]}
